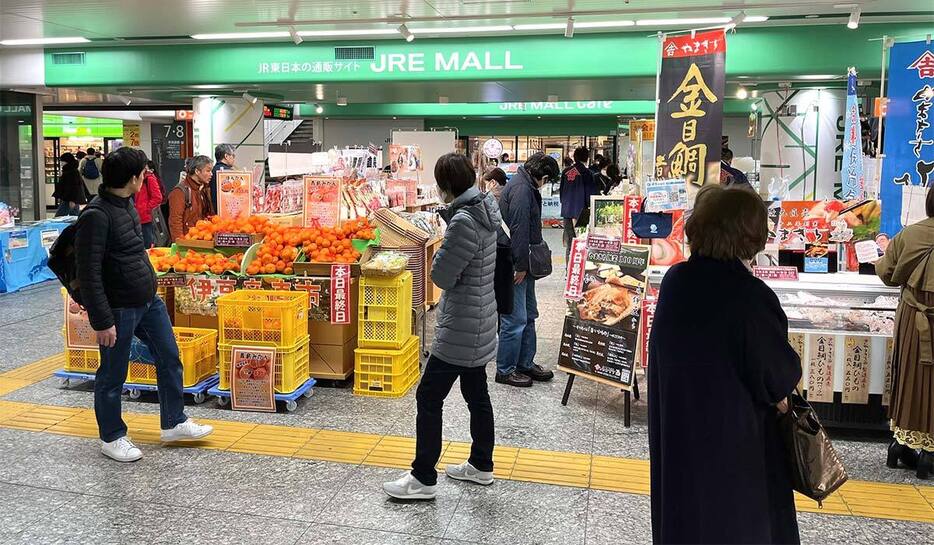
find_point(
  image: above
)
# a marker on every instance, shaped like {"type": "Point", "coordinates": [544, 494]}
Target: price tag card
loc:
{"type": "Point", "coordinates": [252, 378]}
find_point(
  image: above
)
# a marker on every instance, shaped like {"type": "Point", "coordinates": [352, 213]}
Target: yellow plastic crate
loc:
{"type": "Point", "coordinates": [82, 361]}
{"type": "Point", "coordinates": [278, 317]}
{"type": "Point", "coordinates": [385, 311]}
{"type": "Point", "coordinates": [291, 365]}
{"type": "Point", "coordinates": [386, 373]}
{"type": "Point", "coordinates": [197, 348]}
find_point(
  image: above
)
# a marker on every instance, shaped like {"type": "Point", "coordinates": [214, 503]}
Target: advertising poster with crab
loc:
{"type": "Point", "coordinates": [78, 331]}
{"type": "Point", "coordinates": [252, 381]}
{"type": "Point", "coordinates": [234, 194]}
{"type": "Point", "coordinates": [322, 201]}
{"type": "Point", "coordinates": [601, 329]}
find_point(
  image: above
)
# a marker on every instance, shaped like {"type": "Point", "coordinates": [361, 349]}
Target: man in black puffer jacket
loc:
{"type": "Point", "coordinates": [118, 288]}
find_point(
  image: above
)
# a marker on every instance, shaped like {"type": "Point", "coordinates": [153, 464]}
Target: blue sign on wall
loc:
{"type": "Point", "coordinates": [909, 136]}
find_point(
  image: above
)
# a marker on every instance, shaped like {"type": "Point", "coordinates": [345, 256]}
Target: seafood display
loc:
{"type": "Point", "coordinates": [808, 311]}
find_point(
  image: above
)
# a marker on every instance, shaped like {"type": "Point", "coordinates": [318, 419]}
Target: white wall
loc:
{"type": "Point", "coordinates": [22, 67]}
{"type": "Point", "coordinates": [361, 132]}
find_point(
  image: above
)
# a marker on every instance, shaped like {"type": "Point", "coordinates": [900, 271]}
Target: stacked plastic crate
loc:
{"type": "Point", "coordinates": [266, 318]}
{"type": "Point", "coordinates": [386, 363]}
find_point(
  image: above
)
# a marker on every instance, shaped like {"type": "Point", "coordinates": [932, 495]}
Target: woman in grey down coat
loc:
{"type": "Point", "coordinates": [465, 337]}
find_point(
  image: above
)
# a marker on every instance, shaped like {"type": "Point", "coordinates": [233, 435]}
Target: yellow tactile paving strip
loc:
{"type": "Point", "coordinates": [856, 498]}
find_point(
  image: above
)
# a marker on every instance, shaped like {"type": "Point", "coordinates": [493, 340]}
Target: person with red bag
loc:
{"type": "Point", "coordinates": [148, 198]}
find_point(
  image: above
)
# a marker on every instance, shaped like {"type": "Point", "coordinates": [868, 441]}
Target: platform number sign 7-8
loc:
{"type": "Point", "coordinates": [177, 128]}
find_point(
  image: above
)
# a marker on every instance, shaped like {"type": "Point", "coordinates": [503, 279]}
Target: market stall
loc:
{"type": "Point", "coordinates": [24, 252]}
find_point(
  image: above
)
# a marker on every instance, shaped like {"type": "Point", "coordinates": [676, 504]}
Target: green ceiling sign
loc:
{"type": "Point", "coordinates": [753, 52]}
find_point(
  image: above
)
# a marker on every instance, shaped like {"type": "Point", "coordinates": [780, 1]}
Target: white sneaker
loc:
{"type": "Point", "coordinates": [467, 472]}
{"type": "Point", "coordinates": [188, 430]}
{"type": "Point", "coordinates": [121, 450]}
{"type": "Point", "coordinates": [409, 488]}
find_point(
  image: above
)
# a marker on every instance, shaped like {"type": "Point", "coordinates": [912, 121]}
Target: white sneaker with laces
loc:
{"type": "Point", "coordinates": [408, 487]}
{"type": "Point", "coordinates": [188, 430]}
{"type": "Point", "coordinates": [467, 472]}
{"type": "Point", "coordinates": [121, 450]}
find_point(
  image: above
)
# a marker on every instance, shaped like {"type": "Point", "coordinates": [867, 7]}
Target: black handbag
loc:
{"type": "Point", "coordinates": [539, 260]}
{"type": "Point", "coordinates": [815, 468]}
{"type": "Point", "coordinates": [651, 224]}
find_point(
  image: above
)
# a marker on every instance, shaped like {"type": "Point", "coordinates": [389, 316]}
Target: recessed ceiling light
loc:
{"type": "Point", "coordinates": [241, 35]}
{"type": "Point", "coordinates": [605, 24]}
{"type": "Point", "coordinates": [463, 29]}
{"type": "Point", "coordinates": [347, 32]}
{"type": "Point", "coordinates": [817, 76]}
{"type": "Point", "coordinates": [46, 41]}
{"type": "Point", "coordinates": [699, 21]}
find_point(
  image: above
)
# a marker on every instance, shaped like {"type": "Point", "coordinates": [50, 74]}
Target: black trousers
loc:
{"type": "Point", "coordinates": [435, 386]}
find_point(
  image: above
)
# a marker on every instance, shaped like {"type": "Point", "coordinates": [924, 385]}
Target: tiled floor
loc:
{"type": "Point", "coordinates": [56, 488]}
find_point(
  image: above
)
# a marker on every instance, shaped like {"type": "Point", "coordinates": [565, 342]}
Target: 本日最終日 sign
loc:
{"type": "Point", "coordinates": [909, 138]}
{"type": "Point", "coordinates": [689, 120]}
{"type": "Point", "coordinates": [851, 173]}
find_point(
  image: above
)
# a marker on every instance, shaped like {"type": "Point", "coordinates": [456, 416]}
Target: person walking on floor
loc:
{"type": "Point", "coordinates": [190, 201]}
{"type": "Point", "coordinates": [720, 369]}
{"type": "Point", "coordinates": [224, 157]}
{"type": "Point", "coordinates": [69, 189]}
{"type": "Point", "coordinates": [465, 337]}
{"type": "Point", "coordinates": [90, 168]}
{"type": "Point", "coordinates": [118, 289]}
{"type": "Point", "coordinates": [909, 263]}
{"type": "Point", "coordinates": [148, 199]}
{"type": "Point", "coordinates": [521, 207]}
{"type": "Point", "coordinates": [576, 188]}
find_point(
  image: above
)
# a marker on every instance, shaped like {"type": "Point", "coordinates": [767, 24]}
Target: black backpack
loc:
{"type": "Point", "coordinates": [63, 263]}
{"type": "Point", "coordinates": [90, 170]}
{"type": "Point", "coordinates": [63, 258]}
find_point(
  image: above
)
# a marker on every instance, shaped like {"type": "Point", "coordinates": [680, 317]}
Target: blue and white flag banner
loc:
{"type": "Point", "coordinates": [909, 137]}
{"type": "Point", "coordinates": [851, 173]}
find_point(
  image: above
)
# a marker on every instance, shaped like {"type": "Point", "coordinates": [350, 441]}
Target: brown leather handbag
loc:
{"type": "Point", "coordinates": [815, 468]}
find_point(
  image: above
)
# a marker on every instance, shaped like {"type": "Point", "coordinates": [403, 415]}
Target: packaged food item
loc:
{"type": "Point", "coordinates": [385, 263]}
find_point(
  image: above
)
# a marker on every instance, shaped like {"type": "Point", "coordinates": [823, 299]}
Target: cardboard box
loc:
{"type": "Point", "coordinates": [195, 320]}
{"type": "Point", "coordinates": [332, 362]}
{"type": "Point", "coordinates": [326, 333]}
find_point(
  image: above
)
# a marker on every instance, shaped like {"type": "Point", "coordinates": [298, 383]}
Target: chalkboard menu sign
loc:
{"type": "Point", "coordinates": [601, 329]}
{"type": "Point", "coordinates": [168, 150]}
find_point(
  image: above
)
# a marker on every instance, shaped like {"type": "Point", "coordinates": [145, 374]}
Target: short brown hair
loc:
{"type": "Point", "coordinates": [454, 174]}
{"type": "Point", "coordinates": [727, 223]}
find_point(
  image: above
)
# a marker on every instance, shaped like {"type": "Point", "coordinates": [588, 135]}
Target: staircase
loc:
{"type": "Point", "coordinates": [304, 132]}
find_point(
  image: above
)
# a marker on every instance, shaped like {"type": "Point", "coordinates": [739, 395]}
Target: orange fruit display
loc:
{"type": "Point", "coordinates": [198, 262]}
{"type": "Point", "coordinates": [206, 228]}
{"type": "Point", "coordinates": [282, 246]}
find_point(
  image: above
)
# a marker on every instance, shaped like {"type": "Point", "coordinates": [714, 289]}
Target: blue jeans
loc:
{"type": "Point", "coordinates": [517, 340]}
{"type": "Point", "coordinates": [65, 210]}
{"type": "Point", "coordinates": [149, 235]}
{"type": "Point", "coordinates": [150, 323]}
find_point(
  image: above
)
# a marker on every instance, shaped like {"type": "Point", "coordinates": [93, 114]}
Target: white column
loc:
{"type": "Point", "coordinates": [230, 120]}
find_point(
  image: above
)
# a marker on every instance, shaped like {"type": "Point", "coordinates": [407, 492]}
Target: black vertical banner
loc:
{"type": "Point", "coordinates": [689, 122]}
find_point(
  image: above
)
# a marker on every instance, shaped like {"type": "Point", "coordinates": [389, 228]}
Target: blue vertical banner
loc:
{"type": "Point", "coordinates": [909, 138]}
{"type": "Point", "coordinates": [852, 172]}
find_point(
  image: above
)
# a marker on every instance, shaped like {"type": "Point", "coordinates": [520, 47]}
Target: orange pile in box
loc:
{"type": "Point", "coordinates": [197, 262]}
{"type": "Point", "coordinates": [205, 229]}
{"type": "Point", "coordinates": [281, 247]}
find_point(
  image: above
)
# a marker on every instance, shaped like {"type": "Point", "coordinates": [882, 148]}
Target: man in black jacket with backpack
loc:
{"type": "Point", "coordinates": [117, 286]}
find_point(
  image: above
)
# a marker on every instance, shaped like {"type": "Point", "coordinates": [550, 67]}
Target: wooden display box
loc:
{"type": "Point", "coordinates": [195, 320]}
{"type": "Point", "coordinates": [332, 362]}
{"type": "Point", "coordinates": [324, 269]}
{"type": "Point", "coordinates": [326, 333]}
{"type": "Point", "coordinates": [249, 240]}
{"type": "Point", "coordinates": [432, 292]}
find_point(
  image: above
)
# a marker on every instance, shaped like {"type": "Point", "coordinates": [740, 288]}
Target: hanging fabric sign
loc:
{"type": "Point", "coordinates": [689, 120]}
{"type": "Point", "coordinates": [820, 368]}
{"type": "Point", "coordinates": [851, 173]}
{"type": "Point", "coordinates": [887, 386]}
{"type": "Point", "coordinates": [909, 136]}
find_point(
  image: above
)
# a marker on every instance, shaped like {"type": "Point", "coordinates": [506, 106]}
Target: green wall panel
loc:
{"type": "Point", "coordinates": [763, 51]}
{"type": "Point", "coordinates": [591, 126]}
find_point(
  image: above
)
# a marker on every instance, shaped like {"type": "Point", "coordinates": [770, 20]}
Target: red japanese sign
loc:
{"type": "Point", "coordinates": [648, 315]}
{"type": "Point", "coordinates": [340, 294]}
{"type": "Point", "coordinates": [574, 287]}
{"type": "Point", "coordinates": [252, 378]}
{"type": "Point", "coordinates": [776, 273]}
{"type": "Point", "coordinates": [632, 205]}
{"type": "Point", "coordinates": [694, 44]}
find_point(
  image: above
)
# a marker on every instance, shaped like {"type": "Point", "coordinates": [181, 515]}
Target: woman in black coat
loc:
{"type": "Point", "coordinates": [69, 189]}
{"type": "Point", "coordinates": [720, 369]}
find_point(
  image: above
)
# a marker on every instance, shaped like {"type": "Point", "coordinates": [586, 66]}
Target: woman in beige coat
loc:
{"type": "Point", "coordinates": [909, 263]}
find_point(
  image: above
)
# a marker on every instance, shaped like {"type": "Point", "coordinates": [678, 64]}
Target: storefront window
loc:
{"type": "Point", "coordinates": [17, 155]}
